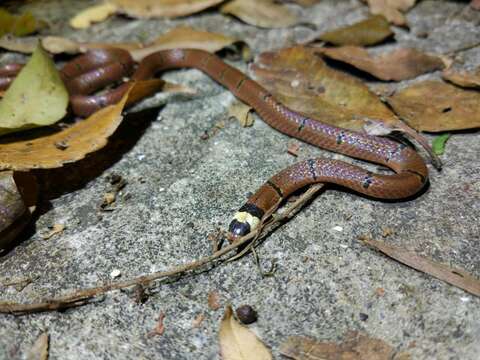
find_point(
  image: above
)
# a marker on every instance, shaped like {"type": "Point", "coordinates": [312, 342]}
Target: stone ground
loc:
{"type": "Point", "coordinates": [181, 188]}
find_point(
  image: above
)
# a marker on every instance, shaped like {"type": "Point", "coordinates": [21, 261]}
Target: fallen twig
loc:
{"type": "Point", "coordinates": [455, 277]}
{"type": "Point", "coordinates": [82, 297]}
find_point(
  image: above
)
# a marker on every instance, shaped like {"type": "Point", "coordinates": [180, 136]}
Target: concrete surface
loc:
{"type": "Point", "coordinates": [181, 188]}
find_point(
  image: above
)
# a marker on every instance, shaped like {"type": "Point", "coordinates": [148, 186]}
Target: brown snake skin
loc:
{"type": "Point", "coordinates": [96, 69]}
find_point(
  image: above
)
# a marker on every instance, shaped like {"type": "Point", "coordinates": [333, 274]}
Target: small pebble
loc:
{"type": "Point", "coordinates": [338, 228]}
{"type": "Point", "coordinates": [115, 273]}
{"type": "Point", "coordinates": [246, 314]}
{"type": "Point", "coordinates": [363, 316]}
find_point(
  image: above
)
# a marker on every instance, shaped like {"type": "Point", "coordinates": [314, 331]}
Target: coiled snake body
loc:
{"type": "Point", "coordinates": [87, 73]}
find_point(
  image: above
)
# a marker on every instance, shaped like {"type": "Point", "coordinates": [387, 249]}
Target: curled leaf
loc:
{"type": "Point", "coordinates": [18, 196]}
{"type": "Point", "coordinates": [400, 64]}
{"type": "Point", "coordinates": [37, 96]}
{"type": "Point", "coordinates": [237, 342]}
{"type": "Point", "coordinates": [437, 106]}
{"type": "Point", "coordinates": [371, 31]}
{"type": "Point", "coordinates": [261, 13]}
{"type": "Point", "coordinates": [163, 8]}
{"type": "Point", "coordinates": [93, 14]}
{"type": "Point", "coordinates": [185, 37]}
{"type": "Point", "coordinates": [463, 78]}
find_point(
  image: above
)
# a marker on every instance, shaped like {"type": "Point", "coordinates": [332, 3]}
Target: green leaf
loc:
{"type": "Point", "coordinates": [18, 25]}
{"type": "Point", "coordinates": [37, 97]}
{"type": "Point", "coordinates": [367, 32]}
{"type": "Point", "coordinates": [438, 144]}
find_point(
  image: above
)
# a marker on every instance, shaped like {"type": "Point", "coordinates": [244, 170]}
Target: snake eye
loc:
{"type": "Point", "coordinates": [238, 228]}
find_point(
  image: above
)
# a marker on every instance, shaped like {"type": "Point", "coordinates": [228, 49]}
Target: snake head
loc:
{"type": "Point", "coordinates": [245, 221]}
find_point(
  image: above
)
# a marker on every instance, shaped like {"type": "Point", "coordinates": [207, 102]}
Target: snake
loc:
{"type": "Point", "coordinates": [87, 73]}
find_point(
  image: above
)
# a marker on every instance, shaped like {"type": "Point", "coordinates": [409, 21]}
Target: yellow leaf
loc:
{"type": "Point", "coordinates": [37, 96]}
{"type": "Point", "coordinates": [237, 342]}
{"type": "Point", "coordinates": [242, 112]}
{"type": "Point", "coordinates": [96, 13]}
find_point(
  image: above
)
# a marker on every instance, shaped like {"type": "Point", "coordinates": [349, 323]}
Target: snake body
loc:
{"type": "Point", "coordinates": [87, 73]}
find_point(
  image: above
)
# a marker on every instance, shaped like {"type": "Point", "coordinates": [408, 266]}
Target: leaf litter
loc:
{"type": "Point", "coordinates": [400, 64]}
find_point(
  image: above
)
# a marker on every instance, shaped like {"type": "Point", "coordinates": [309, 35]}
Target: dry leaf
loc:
{"type": "Point", "coordinates": [367, 32]}
{"type": "Point", "coordinates": [261, 13]}
{"type": "Point", "coordinates": [37, 96]}
{"type": "Point", "coordinates": [455, 277]}
{"type": "Point", "coordinates": [237, 342]}
{"type": "Point", "coordinates": [185, 37]}
{"type": "Point", "coordinates": [18, 25]}
{"type": "Point", "coordinates": [463, 78]}
{"type": "Point", "coordinates": [18, 197]}
{"type": "Point", "coordinates": [213, 300]}
{"type": "Point", "coordinates": [302, 81]}
{"type": "Point", "coordinates": [93, 14]}
{"type": "Point", "coordinates": [392, 10]}
{"type": "Point", "coordinates": [242, 112]}
{"type": "Point", "coordinates": [82, 138]}
{"type": "Point", "coordinates": [355, 346]}
{"type": "Point", "coordinates": [39, 350]}
{"type": "Point", "coordinates": [58, 45]}
{"type": "Point", "coordinates": [55, 229]}
{"type": "Point", "coordinates": [163, 8]}
{"type": "Point", "coordinates": [437, 106]}
{"type": "Point", "coordinates": [400, 64]}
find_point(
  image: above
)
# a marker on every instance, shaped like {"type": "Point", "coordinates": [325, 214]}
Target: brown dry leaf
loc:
{"type": "Point", "coordinates": [237, 342]}
{"type": "Point", "coordinates": [261, 13]}
{"type": "Point", "coordinates": [400, 64]}
{"type": "Point", "coordinates": [55, 229]}
{"type": "Point", "coordinates": [371, 31]}
{"type": "Point", "coordinates": [293, 148]}
{"type": "Point", "coordinates": [18, 197]}
{"type": "Point", "coordinates": [39, 350]}
{"type": "Point", "coordinates": [463, 78]}
{"type": "Point", "coordinates": [392, 9]}
{"type": "Point", "coordinates": [355, 346]}
{"type": "Point", "coordinates": [436, 106]}
{"type": "Point", "coordinates": [213, 300]}
{"type": "Point", "coordinates": [93, 14]}
{"type": "Point", "coordinates": [163, 8]}
{"type": "Point", "coordinates": [242, 112]}
{"type": "Point", "coordinates": [185, 37]}
{"type": "Point", "coordinates": [456, 277]}
{"type": "Point", "coordinates": [81, 139]}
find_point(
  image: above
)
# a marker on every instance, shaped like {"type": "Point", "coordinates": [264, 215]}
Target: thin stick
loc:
{"type": "Point", "coordinates": [83, 297]}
